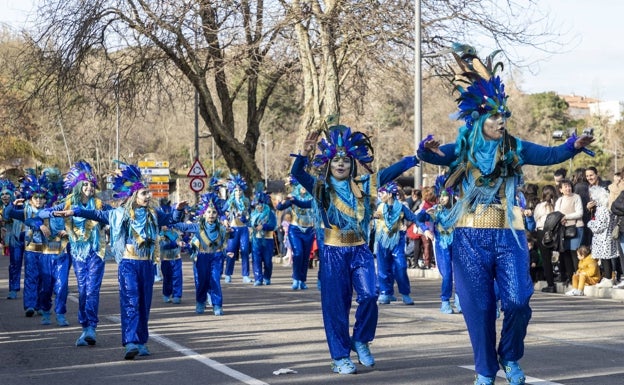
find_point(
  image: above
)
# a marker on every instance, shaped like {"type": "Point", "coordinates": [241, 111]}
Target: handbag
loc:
{"type": "Point", "coordinates": [569, 232]}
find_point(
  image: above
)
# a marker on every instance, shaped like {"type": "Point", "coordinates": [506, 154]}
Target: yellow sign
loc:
{"type": "Point", "coordinates": [153, 164]}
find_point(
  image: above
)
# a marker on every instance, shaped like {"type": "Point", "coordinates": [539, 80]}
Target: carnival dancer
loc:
{"type": "Point", "coordinates": [441, 239]}
{"type": "Point", "coordinates": [170, 259]}
{"type": "Point", "coordinates": [263, 223]}
{"type": "Point", "coordinates": [42, 241]}
{"type": "Point", "coordinates": [207, 251]}
{"type": "Point", "coordinates": [11, 238]}
{"type": "Point", "coordinates": [390, 231]}
{"type": "Point", "coordinates": [134, 231]}
{"type": "Point", "coordinates": [237, 209]}
{"type": "Point", "coordinates": [489, 243]}
{"type": "Point", "coordinates": [300, 232]}
{"type": "Point", "coordinates": [343, 208]}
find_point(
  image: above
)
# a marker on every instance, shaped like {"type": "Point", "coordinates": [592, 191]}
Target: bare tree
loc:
{"type": "Point", "coordinates": [225, 50]}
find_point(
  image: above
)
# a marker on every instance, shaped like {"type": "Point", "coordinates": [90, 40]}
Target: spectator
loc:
{"type": "Point", "coordinates": [428, 256]}
{"type": "Point", "coordinates": [587, 274]}
{"type": "Point", "coordinates": [559, 175]}
{"type": "Point", "coordinates": [542, 209]}
{"type": "Point", "coordinates": [571, 206]}
{"type": "Point", "coordinates": [603, 245]}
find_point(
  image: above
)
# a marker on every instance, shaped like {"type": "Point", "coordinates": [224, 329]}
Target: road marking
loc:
{"type": "Point", "coordinates": [529, 380]}
{"type": "Point", "coordinates": [198, 357]}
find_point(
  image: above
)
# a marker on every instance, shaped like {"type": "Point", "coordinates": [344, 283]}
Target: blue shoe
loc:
{"type": "Point", "coordinates": [446, 308]}
{"type": "Point", "coordinates": [81, 341]}
{"type": "Point", "coordinates": [513, 372]}
{"type": "Point", "coordinates": [246, 279]}
{"type": "Point", "coordinates": [176, 300]}
{"type": "Point", "coordinates": [383, 299]}
{"type": "Point", "coordinates": [228, 279]}
{"type": "Point", "coordinates": [30, 312]}
{"type": "Point", "coordinates": [200, 308]}
{"type": "Point", "coordinates": [131, 351]}
{"type": "Point", "coordinates": [483, 380]}
{"type": "Point", "coordinates": [343, 366]}
{"type": "Point", "coordinates": [407, 299]}
{"type": "Point", "coordinates": [90, 335]}
{"type": "Point", "coordinates": [303, 286]}
{"type": "Point", "coordinates": [218, 310]}
{"type": "Point", "coordinates": [392, 298]}
{"type": "Point", "coordinates": [267, 282]}
{"type": "Point", "coordinates": [295, 285]}
{"type": "Point", "coordinates": [166, 299]}
{"type": "Point", "coordinates": [258, 283]}
{"type": "Point", "coordinates": [363, 352]}
{"type": "Point", "coordinates": [143, 350]}
{"type": "Point", "coordinates": [61, 320]}
{"type": "Point", "coordinates": [45, 318]}
{"type": "Point", "coordinates": [12, 294]}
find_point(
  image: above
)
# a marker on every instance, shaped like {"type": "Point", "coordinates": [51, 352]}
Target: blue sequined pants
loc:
{"type": "Point", "coordinates": [481, 256]}
{"type": "Point", "coordinates": [391, 266]}
{"type": "Point", "coordinates": [89, 275]}
{"type": "Point", "coordinates": [136, 283]}
{"type": "Point", "coordinates": [343, 270]}
{"type": "Point", "coordinates": [301, 243]}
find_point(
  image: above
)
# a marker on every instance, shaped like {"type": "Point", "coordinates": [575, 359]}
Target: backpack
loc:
{"type": "Point", "coordinates": [552, 237]}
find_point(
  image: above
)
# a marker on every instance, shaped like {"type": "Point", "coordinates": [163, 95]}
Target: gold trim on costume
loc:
{"type": "Point", "coordinates": [336, 237]}
{"type": "Point", "coordinates": [130, 253]}
{"type": "Point", "coordinates": [491, 217]}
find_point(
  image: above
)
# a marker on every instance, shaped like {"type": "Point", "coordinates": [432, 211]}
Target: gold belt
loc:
{"type": "Point", "coordinates": [491, 217]}
{"type": "Point", "coordinates": [41, 248]}
{"type": "Point", "coordinates": [334, 237]}
{"type": "Point", "coordinates": [130, 253]}
{"type": "Point", "coordinates": [265, 234]}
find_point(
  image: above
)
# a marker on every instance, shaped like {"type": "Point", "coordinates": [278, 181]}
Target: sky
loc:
{"type": "Point", "coordinates": [591, 65]}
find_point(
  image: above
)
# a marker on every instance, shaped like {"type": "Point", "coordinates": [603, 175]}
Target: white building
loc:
{"type": "Point", "coordinates": [612, 110]}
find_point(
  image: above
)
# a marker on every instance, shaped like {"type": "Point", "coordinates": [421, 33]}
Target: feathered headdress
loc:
{"type": "Point", "coordinates": [342, 142]}
{"type": "Point", "coordinates": [235, 180]}
{"type": "Point", "coordinates": [440, 188]}
{"type": "Point", "coordinates": [81, 171]}
{"type": "Point", "coordinates": [6, 186]}
{"type": "Point", "coordinates": [261, 197]}
{"type": "Point", "coordinates": [216, 181]}
{"type": "Point", "coordinates": [481, 91]}
{"type": "Point", "coordinates": [55, 186]}
{"type": "Point", "coordinates": [127, 181]}
{"type": "Point", "coordinates": [210, 199]}
{"type": "Point", "coordinates": [390, 188]}
{"type": "Point", "coordinates": [31, 184]}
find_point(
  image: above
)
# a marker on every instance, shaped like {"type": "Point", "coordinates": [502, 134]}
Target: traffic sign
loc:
{"type": "Point", "coordinates": [197, 171]}
{"type": "Point", "coordinates": [155, 171]}
{"type": "Point", "coordinates": [197, 184]}
{"type": "Point", "coordinates": [160, 194]}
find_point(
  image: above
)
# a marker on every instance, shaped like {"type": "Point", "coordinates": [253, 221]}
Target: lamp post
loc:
{"type": "Point", "coordinates": [417, 94]}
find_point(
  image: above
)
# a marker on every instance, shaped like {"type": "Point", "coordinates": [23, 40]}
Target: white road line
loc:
{"type": "Point", "coordinates": [198, 357]}
{"type": "Point", "coordinates": [529, 380]}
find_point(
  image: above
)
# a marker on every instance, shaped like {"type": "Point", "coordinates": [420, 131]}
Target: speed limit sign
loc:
{"type": "Point", "coordinates": [197, 184]}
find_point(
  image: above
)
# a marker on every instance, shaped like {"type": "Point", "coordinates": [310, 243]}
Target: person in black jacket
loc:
{"type": "Point", "coordinates": [617, 208]}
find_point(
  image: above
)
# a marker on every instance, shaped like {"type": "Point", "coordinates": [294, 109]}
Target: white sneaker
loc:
{"type": "Point", "coordinates": [577, 292]}
{"type": "Point", "coordinates": [619, 285]}
{"type": "Point", "coordinates": [571, 292]}
{"type": "Point", "coordinates": [605, 282]}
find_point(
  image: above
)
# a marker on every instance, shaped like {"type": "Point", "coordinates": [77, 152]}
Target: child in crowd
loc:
{"type": "Point", "coordinates": [588, 272]}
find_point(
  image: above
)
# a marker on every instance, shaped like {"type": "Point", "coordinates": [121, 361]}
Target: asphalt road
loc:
{"type": "Point", "coordinates": [571, 340]}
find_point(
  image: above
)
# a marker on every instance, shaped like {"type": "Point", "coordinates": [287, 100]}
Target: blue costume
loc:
{"type": "Point", "coordinates": [13, 239]}
{"type": "Point", "coordinates": [237, 209]}
{"type": "Point", "coordinates": [390, 245]}
{"type": "Point", "coordinates": [40, 250]}
{"type": "Point", "coordinates": [207, 248]}
{"type": "Point", "coordinates": [300, 233]}
{"type": "Point", "coordinates": [489, 243]}
{"type": "Point", "coordinates": [170, 260]}
{"type": "Point", "coordinates": [134, 231]}
{"type": "Point", "coordinates": [263, 224]}
{"type": "Point", "coordinates": [343, 211]}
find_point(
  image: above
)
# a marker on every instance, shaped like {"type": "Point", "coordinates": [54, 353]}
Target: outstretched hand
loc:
{"type": "Point", "coordinates": [433, 146]}
{"type": "Point", "coordinates": [583, 141]}
{"type": "Point", "coordinates": [63, 213]}
{"type": "Point", "coordinates": [181, 205]}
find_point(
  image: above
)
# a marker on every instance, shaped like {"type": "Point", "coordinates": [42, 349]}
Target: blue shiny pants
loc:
{"type": "Point", "coordinates": [208, 269]}
{"type": "Point", "coordinates": [481, 256]}
{"type": "Point", "coordinates": [262, 256]}
{"type": "Point", "coordinates": [89, 275]}
{"type": "Point", "coordinates": [344, 269]}
{"type": "Point", "coordinates": [171, 270]}
{"type": "Point", "coordinates": [45, 264]}
{"type": "Point", "coordinates": [239, 245]}
{"type": "Point", "coordinates": [443, 261]}
{"type": "Point", "coordinates": [136, 283]}
{"type": "Point", "coordinates": [301, 244]}
{"type": "Point", "coordinates": [31, 279]}
{"type": "Point", "coordinates": [16, 260]}
{"type": "Point", "coordinates": [61, 265]}
{"type": "Point", "coordinates": [391, 266]}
